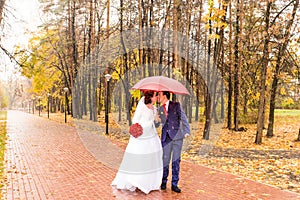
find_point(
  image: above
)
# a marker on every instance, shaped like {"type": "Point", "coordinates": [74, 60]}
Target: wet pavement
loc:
{"type": "Point", "coordinates": [46, 159]}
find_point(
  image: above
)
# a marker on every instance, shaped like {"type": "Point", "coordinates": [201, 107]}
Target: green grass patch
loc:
{"type": "Point", "coordinates": [3, 116]}
{"type": "Point", "coordinates": [287, 116]}
{"type": "Point", "coordinates": [287, 112]}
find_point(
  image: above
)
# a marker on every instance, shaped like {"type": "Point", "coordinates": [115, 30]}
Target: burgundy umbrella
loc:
{"type": "Point", "coordinates": [161, 83]}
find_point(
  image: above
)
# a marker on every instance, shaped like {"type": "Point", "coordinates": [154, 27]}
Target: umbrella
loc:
{"type": "Point", "coordinates": [161, 83]}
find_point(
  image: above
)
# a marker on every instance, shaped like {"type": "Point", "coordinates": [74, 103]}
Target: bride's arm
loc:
{"type": "Point", "coordinates": [137, 116]}
{"type": "Point", "coordinates": [138, 112]}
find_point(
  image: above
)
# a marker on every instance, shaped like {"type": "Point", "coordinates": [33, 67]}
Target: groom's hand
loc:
{"type": "Point", "coordinates": [157, 119]}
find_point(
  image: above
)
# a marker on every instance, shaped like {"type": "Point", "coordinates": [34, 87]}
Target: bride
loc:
{"type": "Point", "coordinates": [141, 166]}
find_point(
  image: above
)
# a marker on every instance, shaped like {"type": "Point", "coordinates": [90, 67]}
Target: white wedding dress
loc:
{"type": "Point", "coordinates": [142, 165]}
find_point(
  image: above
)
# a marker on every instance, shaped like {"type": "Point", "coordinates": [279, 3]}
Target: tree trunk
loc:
{"type": "Point", "coordinates": [150, 52]}
{"type": "Point", "coordinates": [222, 89]}
{"type": "Point", "coordinates": [261, 109]}
{"type": "Point", "coordinates": [237, 64]}
{"type": "Point", "coordinates": [125, 57]}
{"type": "Point", "coordinates": [90, 98]}
{"type": "Point", "coordinates": [197, 105]}
{"type": "Point", "coordinates": [230, 88]}
{"type": "Point", "coordinates": [245, 110]}
{"type": "Point", "coordinates": [120, 103]}
{"type": "Point", "coordinates": [198, 39]}
{"type": "Point", "coordinates": [208, 95]}
{"type": "Point", "coordinates": [175, 37]}
{"type": "Point", "coordinates": [208, 116]}
{"type": "Point", "coordinates": [272, 106]}
{"type": "Point", "coordinates": [218, 64]}
{"type": "Point", "coordinates": [70, 61]}
{"type": "Point", "coordinates": [92, 68]}
{"type": "Point", "coordinates": [186, 70]}
{"type": "Point", "coordinates": [107, 32]}
{"type": "Point", "coordinates": [140, 33]}
{"type": "Point", "coordinates": [84, 83]}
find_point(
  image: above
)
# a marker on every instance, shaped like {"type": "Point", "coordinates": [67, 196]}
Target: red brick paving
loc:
{"type": "Point", "coordinates": [51, 160]}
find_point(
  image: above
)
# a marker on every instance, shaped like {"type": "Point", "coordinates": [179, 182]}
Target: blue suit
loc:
{"type": "Point", "coordinates": [174, 127]}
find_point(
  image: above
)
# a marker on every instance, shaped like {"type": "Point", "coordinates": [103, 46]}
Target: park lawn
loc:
{"type": "Point", "coordinates": [287, 116]}
{"type": "Point", "coordinates": [287, 112]}
{"type": "Point", "coordinates": [3, 115]}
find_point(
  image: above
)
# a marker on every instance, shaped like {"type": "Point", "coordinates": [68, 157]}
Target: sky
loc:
{"type": "Point", "coordinates": [22, 17]}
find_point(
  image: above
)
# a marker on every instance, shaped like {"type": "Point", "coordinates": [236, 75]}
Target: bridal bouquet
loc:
{"type": "Point", "coordinates": [136, 130]}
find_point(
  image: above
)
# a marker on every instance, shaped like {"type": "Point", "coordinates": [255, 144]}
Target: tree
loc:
{"type": "Point", "coordinates": [237, 44]}
{"type": "Point", "coordinates": [2, 3]}
{"type": "Point", "coordinates": [237, 62]}
{"type": "Point", "coordinates": [265, 62]}
{"type": "Point", "coordinates": [208, 95]}
{"type": "Point", "coordinates": [125, 65]}
{"type": "Point", "coordinates": [283, 39]}
{"type": "Point", "coordinates": [41, 68]}
{"type": "Point", "coordinates": [230, 85]}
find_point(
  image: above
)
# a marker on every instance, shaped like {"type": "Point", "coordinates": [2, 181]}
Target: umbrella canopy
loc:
{"type": "Point", "coordinates": [161, 83]}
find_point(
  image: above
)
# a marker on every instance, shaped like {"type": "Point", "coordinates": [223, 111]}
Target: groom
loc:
{"type": "Point", "coordinates": [175, 127]}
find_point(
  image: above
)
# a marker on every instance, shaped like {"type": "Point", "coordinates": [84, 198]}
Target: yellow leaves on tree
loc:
{"type": "Point", "coordinates": [40, 64]}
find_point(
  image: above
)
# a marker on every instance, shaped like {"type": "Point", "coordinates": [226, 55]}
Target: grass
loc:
{"type": "Point", "coordinates": [284, 115]}
{"type": "Point", "coordinates": [287, 117]}
{"type": "Point", "coordinates": [3, 115]}
{"type": "Point", "coordinates": [287, 112]}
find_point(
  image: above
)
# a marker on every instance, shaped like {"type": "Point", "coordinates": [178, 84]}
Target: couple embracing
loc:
{"type": "Point", "coordinates": [145, 164]}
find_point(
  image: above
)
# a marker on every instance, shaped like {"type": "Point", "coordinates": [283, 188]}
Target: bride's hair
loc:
{"type": "Point", "coordinates": [148, 95]}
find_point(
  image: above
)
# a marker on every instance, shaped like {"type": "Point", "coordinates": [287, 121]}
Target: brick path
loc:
{"type": "Point", "coordinates": [50, 160]}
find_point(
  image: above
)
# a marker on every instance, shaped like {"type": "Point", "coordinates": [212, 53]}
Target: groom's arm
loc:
{"type": "Point", "coordinates": [185, 126]}
{"type": "Point", "coordinates": [156, 123]}
{"type": "Point", "coordinates": [157, 119]}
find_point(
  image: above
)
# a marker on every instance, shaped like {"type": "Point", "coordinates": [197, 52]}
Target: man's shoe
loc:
{"type": "Point", "coordinates": [176, 189]}
{"type": "Point", "coordinates": [163, 186]}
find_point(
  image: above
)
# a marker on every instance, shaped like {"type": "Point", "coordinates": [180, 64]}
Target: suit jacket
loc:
{"type": "Point", "coordinates": [176, 124]}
